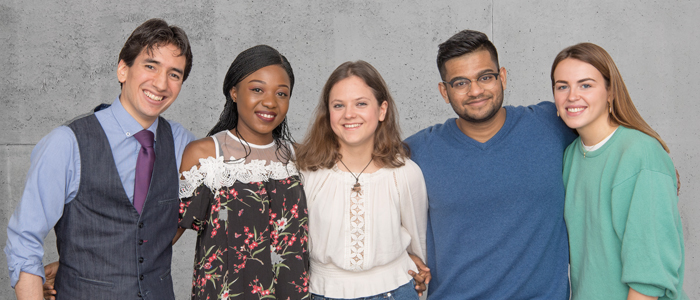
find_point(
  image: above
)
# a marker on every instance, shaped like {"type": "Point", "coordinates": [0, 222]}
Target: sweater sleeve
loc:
{"type": "Point", "coordinates": [414, 209]}
{"type": "Point", "coordinates": [647, 221]}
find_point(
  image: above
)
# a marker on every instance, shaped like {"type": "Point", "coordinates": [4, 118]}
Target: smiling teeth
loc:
{"type": "Point", "coordinates": [153, 97]}
{"type": "Point", "coordinates": [352, 125]}
{"type": "Point", "coordinates": [267, 116]}
{"type": "Point", "coordinates": [575, 109]}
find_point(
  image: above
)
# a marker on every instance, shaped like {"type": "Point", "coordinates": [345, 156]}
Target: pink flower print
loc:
{"type": "Point", "coordinates": [207, 266]}
{"type": "Point", "coordinates": [240, 212]}
{"type": "Point", "coordinates": [224, 296]}
{"type": "Point", "coordinates": [208, 276]}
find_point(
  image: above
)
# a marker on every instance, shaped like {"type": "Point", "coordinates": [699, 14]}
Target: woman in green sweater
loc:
{"type": "Point", "coordinates": [621, 210]}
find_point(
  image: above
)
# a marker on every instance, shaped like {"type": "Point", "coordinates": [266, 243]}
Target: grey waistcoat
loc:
{"type": "Point", "coordinates": [107, 250]}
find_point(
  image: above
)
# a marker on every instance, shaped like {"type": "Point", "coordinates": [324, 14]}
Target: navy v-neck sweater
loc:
{"type": "Point", "coordinates": [496, 218]}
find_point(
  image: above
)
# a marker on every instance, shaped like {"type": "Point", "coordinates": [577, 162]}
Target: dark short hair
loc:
{"type": "Point", "coordinates": [464, 42]}
{"type": "Point", "coordinates": [156, 33]}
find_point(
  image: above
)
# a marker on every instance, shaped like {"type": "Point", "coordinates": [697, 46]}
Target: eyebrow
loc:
{"type": "Point", "coordinates": [263, 82]}
{"type": "Point", "coordinates": [153, 61]}
{"type": "Point", "coordinates": [356, 99]}
{"type": "Point", "coordinates": [579, 81]}
{"type": "Point", "coordinates": [481, 73]}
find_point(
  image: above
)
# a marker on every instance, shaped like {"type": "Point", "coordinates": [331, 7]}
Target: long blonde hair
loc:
{"type": "Point", "coordinates": [320, 149]}
{"type": "Point", "coordinates": [623, 110]}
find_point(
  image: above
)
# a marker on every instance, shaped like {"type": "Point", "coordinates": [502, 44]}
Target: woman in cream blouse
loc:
{"type": "Point", "coordinates": [367, 200]}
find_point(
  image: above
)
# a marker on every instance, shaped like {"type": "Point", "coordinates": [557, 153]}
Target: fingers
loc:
{"type": "Point", "coordinates": [420, 288]}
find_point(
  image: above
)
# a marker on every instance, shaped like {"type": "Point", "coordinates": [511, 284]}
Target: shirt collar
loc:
{"type": "Point", "coordinates": [128, 124]}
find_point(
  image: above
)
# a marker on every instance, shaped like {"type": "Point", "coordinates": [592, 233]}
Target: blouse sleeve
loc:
{"type": "Point", "coordinates": [414, 208]}
{"type": "Point", "coordinates": [648, 224]}
{"type": "Point", "coordinates": [194, 210]}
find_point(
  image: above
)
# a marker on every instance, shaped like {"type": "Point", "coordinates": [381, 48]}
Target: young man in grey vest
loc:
{"type": "Point", "coordinates": [108, 183]}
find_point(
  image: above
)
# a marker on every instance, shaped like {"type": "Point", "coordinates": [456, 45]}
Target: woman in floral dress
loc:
{"type": "Point", "coordinates": [240, 190]}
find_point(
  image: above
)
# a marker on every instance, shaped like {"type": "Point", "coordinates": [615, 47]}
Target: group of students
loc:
{"type": "Point", "coordinates": [344, 214]}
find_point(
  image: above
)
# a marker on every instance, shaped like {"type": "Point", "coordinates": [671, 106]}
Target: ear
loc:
{"type": "Point", "coordinates": [234, 94]}
{"type": "Point", "coordinates": [443, 91]}
{"type": "Point", "coordinates": [382, 110]}
{"type": "Point", "coordinates": [122, 70]}
{"type": "Point", "coordinates": [504, 77]}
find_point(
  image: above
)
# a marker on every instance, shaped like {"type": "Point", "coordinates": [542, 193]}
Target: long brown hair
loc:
{"type": "Point", "coordinates": [321, 148]}
{"type": "Point", "coordinates": [623, 110]}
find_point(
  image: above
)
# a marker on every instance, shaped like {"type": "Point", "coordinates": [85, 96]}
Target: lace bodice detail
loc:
{"type": "Point", "coordinates": [261, 164]}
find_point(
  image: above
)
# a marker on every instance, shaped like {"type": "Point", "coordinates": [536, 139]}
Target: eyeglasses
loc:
{"type": "Point", "coordinates": [463, 85]}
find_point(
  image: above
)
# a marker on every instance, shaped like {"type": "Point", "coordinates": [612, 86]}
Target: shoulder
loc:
{"type": "Point", "coordinates": [61, 137]}
{"type": "Point", "coordinates": [642, 152]}
{"type": "Point", "coordinates": [634, 142]}
{"type": "Point", "coordinates": [180, 132]}
{"type": "Point", "coordinates": [545, 114]}
{"type": "Point", "coordinates": [201, 148]}
{"type": "Point", "coordinates": [314, 179]}
{"type": "Point", "coordinates": [409, 166]}
{"type": "Point", "coordinates": [411, 171]}
{"type": "Point", "coordinates": [545, 111]}
{"type": "Point", "coordinates": [424, 137]}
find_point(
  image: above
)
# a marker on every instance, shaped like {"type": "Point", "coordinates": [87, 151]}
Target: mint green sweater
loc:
{"type": "Point", "coordinates": [621, 213]}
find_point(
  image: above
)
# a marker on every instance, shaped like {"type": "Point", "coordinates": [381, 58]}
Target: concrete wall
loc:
{"type": "Point", "coordinates": [58, 59]}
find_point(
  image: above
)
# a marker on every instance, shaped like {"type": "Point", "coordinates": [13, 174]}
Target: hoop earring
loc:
{"type": "Point", "coordinates": [557, 113]}
{"type": "Point", "coordinates": [610, 107]}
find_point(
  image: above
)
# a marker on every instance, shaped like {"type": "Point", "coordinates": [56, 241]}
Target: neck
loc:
{"type": "Point", "coordinates": [595, 133]}
{"type": "Point", "coordinates": [483, 131]}
{"type": "Point", "coordinates": [357, 158]}
{"type": "Point", "coordinates": [252, 138]}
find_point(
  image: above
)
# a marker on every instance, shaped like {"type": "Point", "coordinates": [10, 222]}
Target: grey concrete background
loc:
{"type": "Point", "coordinates": [59, 58]}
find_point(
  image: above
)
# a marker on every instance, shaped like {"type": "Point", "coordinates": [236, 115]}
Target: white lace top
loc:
{"type": "Point", "coordinates": [261, 164]}
{"type": "Point", "coordinates": [359, 243]}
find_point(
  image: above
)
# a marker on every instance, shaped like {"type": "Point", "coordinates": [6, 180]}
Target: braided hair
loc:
{"type": "Point", "coordinates": [246, 63]}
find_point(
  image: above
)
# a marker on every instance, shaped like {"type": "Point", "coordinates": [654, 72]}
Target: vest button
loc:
{"type": "Point", "coordinates": [141, 225]}
{"type": "Point", "coordinates": [139, 294]}
{"type": "Point", "coordinates": [141, 277]}
{"type": "Point", "coordinates": [140, 259]}
{"type": "Point", "coordinates": [140, 242]}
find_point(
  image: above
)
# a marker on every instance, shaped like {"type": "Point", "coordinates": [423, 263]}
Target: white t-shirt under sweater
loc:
{"type": "Point", "coordinates": [359, 242]}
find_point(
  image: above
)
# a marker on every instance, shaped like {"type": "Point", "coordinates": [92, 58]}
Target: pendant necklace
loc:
{"type": "Point", "coordinates": [356, 187]}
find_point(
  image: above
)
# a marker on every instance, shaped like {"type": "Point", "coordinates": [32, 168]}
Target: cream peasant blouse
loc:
{"type": "Point", "coordinates": [359, 242]}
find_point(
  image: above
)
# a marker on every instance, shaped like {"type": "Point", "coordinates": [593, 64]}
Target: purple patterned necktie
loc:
{"type": "Point", "coordinates": [144, 168]}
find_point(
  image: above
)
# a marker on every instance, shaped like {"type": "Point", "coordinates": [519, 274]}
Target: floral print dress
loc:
{"type": "Point", "coordinates": [251, 220]}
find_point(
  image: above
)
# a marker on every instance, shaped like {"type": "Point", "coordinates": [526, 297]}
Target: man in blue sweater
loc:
{"type": "Point", "coordinates": [496, 227]}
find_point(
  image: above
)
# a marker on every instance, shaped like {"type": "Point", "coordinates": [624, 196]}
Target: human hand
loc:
{"type": "Point", "coordinates": [50, 271]}
{"type": "Point", "coordinates": [422, 277]}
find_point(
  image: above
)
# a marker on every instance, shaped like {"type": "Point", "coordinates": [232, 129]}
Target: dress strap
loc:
{"type": "Point", "coordinates": [217, 145]}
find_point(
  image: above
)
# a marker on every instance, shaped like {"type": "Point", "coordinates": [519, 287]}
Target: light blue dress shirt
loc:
{"type": "Point", "coordinates": [54, 177]}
